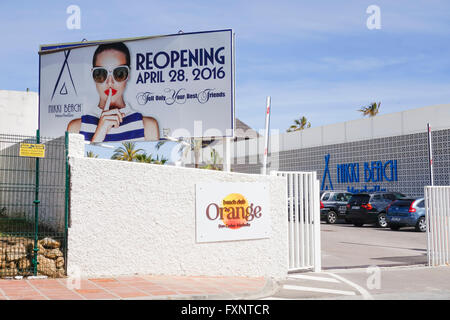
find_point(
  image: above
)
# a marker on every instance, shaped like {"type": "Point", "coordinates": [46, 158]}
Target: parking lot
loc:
{"type": "Point", "coordinates": [347, 246]}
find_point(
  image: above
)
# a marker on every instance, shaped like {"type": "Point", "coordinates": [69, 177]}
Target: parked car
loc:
{"type": "Point", "coordinates": [370, 208]}
{"type": "Point", "coordinates": [334, 205]}
{"type": "Point", "coordinates": [407, 213]}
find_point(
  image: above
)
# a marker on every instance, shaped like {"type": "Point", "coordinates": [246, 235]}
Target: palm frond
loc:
{"type": "Point", "coordinates": [126, 152]}
{"type": "Point", "coordinates": [299, 124]}
{"type": "Point", "coordinates": [371, 110]}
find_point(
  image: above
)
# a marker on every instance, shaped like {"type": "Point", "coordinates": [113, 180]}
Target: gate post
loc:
{"type": "Point", "coordinates": [66, 198]}
{"type": "Point", "coordinates": [36, 210]}
{"type": "Point", "coordinates": [317, 243]}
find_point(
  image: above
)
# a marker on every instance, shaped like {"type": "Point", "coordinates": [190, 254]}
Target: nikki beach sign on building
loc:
{"type": "Point", "coordinates": [356, 172]}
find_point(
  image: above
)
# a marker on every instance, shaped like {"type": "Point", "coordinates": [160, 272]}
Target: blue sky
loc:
{"type": "Point", "coordinates": [314, 58]}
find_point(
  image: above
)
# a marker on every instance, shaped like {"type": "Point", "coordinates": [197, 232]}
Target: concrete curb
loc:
{"type": "Point", "coordinates": [390, 268]}
{"type": "Point", "coordinates": [271, 287]}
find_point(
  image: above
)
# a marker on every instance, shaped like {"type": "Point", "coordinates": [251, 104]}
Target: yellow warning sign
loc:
{"type": "Point", "coordinates": [32, 150]}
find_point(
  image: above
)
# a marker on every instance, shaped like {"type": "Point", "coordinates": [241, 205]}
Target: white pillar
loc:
{"type": "Point", "coordinates": [266, 138]}
{"type": "Point", "coordinates": [227, 157]}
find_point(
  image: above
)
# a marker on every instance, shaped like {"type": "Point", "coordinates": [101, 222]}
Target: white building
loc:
{"type": "Point", "coordinates": [19, 110]}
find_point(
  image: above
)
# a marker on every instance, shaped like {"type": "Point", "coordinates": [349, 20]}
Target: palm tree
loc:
{"type": "Point", "coordinates": [144, 158]}
{"type": "Point", "coordinates": [299, 124]}
{"type": "Point", "coordinates": [127, 152]}
{"type": "Point", "coordinates": [371, 110]}
{"type": "Point", "coordinates": [91, 154]}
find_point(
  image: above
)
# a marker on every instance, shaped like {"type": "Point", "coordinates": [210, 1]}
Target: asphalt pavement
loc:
{"type": "Point", "coordinates": [369, 263]}
{"type": "Point", "coordinates": [386, 283]}
{"type": "Point", "coordinates": [346, 246]}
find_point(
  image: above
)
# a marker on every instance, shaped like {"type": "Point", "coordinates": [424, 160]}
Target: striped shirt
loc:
{"type": "Point", "coordinates": [131, 128]}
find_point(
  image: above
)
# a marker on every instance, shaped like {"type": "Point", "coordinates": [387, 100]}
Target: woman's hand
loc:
{"type": "Point", "coordinates": [108, 119]}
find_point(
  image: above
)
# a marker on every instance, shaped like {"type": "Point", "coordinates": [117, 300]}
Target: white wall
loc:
{"type": "Point", "coordinates": [380, 126]}
{"type": "Point", "coordinates": [129, 218]}
{"type": "Point", "coordinates": [19, 112]}
{"type": "Point", "coordinates": [383, 125]}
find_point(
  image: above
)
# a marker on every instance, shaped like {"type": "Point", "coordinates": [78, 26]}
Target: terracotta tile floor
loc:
{"type": "Point", "coordinates": [131, 287]}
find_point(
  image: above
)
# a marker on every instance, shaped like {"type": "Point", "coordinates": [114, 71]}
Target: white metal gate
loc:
{"type": "Point", "coordinates": [437, 204]}
{"type": "Point", "coordinates": [303, 219]}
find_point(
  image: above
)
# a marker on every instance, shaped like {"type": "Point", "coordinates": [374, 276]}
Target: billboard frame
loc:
{"type": "Point", "coordinates": [51, 48]}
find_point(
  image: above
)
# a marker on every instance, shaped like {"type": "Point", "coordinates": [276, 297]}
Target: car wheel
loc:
{"type": "Point", "coordinates": [358, 223]}
{"type": "Point", "coordinates": [331, 217]}
{"type": "Point", "coordinates": [421, 225]}
{"type": "Point", "coordinates": [381, 220]}
{"type": "Point", "coordinates": [395, 228]}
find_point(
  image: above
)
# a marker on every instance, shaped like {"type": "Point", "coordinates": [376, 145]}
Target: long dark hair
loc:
{"type": "Point", "coordinates": [119, 46]}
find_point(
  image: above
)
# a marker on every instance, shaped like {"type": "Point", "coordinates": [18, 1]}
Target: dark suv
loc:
{"type": "Point", "coordinates": [333, 205]}
{"type": "Point", "coordinates": [370, 208]}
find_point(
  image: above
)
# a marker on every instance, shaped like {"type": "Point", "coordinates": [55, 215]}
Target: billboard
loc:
{"type": "Point", "coordinates": [141, 89]}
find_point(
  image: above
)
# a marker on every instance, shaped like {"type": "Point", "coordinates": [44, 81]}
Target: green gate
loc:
{"type": "Point", "coordinates": [33, 206]}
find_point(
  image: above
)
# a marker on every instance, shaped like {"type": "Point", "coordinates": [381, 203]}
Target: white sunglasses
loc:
{"type": "Point", "coordinates": [119, 73]}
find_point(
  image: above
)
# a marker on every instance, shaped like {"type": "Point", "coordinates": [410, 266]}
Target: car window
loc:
{"type": "Point", "coordinates": [390, 197]}
{"type": "Point", "coordinates": [326, 196]}
{"type": "Point", "coordinates": [421, 204]}
{"type": "Point", "coordinates": [340, 197]}
{"type": "Point", "coordinates": [347, 196]}
{"type": "Point", "coordinates": [376, 197]}
{"type": "Point", "coordinates": [399, 195]}
{"type": "Point", "coordinates": [359, 198]}
{"type": "Point", "coordinates": [402, 203]}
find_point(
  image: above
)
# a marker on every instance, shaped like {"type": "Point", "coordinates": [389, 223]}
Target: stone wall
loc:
{"type": "Point", "coordinates": [16, 257]}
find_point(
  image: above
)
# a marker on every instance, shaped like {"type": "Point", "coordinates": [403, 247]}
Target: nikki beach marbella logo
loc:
{"type": "Point", "coordinates": [326, 174]}
{"type": "Point", "coordinates": [62, 84]}
{"type": "Point", "coordinates": [235, 212]}
{"type": "Point", "coordinates": [355, 172]}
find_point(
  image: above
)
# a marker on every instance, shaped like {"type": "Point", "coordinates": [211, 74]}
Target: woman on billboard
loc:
{"type": "Point", "coordinates": [115, 120]}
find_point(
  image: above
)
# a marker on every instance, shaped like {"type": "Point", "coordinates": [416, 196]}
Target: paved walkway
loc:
{"type": "Point", "coordinates": [135, 287]}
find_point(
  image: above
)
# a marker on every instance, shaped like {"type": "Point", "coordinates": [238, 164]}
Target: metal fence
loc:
{"type": "Point", "coordinates": [33, 208]}
{"type": "Point", "coordinates": [437, 204]}
{"type": "Point", "coordinates": [303, 220]}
